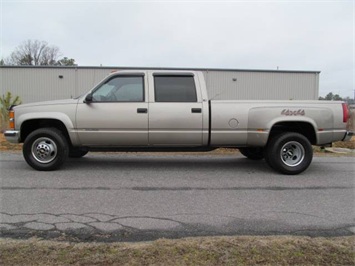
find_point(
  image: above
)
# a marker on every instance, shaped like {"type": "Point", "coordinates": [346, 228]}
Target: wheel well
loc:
{"type": "Point", "coordinates": [304, 128]}
{"type": "Point", "coordinates": [30, 125]}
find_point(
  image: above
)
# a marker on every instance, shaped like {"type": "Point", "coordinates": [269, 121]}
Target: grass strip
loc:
{"type": "Point", "coordinates": [247, 250]}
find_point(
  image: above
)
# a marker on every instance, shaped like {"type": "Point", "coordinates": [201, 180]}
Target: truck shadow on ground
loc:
{"type": "Point", "coordinates": [221, 164]}
{"type": "Point", "coordinates": [142, 162]}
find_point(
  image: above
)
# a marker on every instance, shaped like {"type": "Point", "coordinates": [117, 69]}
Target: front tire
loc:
{"type": "Point", "coordinates": [45, 149]}
{"type": "Point", "coordinates": [289, 153]}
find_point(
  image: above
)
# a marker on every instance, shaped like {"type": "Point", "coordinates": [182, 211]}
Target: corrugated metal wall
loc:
{"type": "Point", "coordinates": [42, 84]}
{"type": "Point", "coordinates": [38, 84]}
{"type": "Point", "coordinates": [245, 85]}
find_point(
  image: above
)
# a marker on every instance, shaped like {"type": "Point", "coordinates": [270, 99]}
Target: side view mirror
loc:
{"type": "Point", "coordinates": [88, 98]}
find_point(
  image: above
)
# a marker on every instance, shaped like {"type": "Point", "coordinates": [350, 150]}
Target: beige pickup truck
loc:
{"type": "Point", "coordinates": [157, 110]}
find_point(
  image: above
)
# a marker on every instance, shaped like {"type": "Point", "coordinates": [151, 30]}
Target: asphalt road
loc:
{"type": "Point", "coordinates": [134, 197]}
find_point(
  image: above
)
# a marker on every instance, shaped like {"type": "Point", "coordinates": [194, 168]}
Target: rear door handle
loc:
{"type": "Point", "coordinates": [142, 110]}
{"type": "Point", "coordinates": [196, 110]}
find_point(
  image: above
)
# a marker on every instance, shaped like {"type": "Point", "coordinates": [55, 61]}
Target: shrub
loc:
{"type": "Point", "coordinates": [6, 101]}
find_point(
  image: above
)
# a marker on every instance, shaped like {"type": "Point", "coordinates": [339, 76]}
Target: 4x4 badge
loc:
{"type": "Point", "coordinates": [289, 112]}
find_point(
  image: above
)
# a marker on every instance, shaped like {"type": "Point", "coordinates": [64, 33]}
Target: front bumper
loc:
{"type": "Point", "coordinates": [348, 135]}
{"type": "Point", "coordinates": [12, 136]}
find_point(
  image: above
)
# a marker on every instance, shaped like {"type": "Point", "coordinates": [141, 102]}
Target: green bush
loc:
{"type": "Point", "coordinates": [6, 100]}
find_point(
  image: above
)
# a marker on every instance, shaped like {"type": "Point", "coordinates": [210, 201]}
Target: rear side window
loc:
{"type": "Point", "coordinates": [174, 89]}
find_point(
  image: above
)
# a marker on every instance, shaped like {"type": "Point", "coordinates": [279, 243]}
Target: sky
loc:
{"type": "Point", "coordinates": [288, 35]}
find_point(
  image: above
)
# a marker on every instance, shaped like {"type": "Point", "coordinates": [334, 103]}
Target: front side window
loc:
{"type": "Point", "coordinates": [120, 89]}
{"type": "Point", "coordinates": [174, 89]}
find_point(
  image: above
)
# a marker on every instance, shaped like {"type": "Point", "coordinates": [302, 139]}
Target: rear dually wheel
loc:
{"type": "Point", "coordinates": [289, 153]}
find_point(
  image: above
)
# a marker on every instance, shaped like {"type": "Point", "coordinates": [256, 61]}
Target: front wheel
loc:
{"type": "Point", "coordinates": [45, 149]}
{"type": "Point", "coordinates": [289, 153]}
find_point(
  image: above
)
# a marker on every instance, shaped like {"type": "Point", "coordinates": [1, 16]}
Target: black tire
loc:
{"type": "Point", "coordinates": [253, 153]}
{"type": "Point", "coordinates": [45, 149]}
{"type": "Point", "coordinates": [77, 153]}
{"type": "Point", "coordinates": [289, 153]}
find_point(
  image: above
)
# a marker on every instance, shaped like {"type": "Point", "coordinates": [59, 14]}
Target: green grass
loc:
{"type": "Point", "coordinates": [284, 250]}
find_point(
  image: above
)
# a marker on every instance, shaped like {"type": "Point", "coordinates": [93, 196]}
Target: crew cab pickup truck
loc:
{"type": "Point", "coordinates": [170, 111]}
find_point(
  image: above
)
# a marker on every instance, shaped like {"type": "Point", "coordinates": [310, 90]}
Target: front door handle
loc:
{"type": "Point", "coordinates": [196, 110]}
{"type": "Point", "coordinates": [142, 110]}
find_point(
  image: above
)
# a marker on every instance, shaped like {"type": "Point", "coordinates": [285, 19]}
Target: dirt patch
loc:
{"type": "Point", "coordinates": [345, 144]}
{"type": "Point", "coordinates": [7, 146]}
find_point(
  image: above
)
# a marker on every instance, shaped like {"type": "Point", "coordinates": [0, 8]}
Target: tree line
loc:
{"type": "Point", "coordinates": [335, 97]}
{"type": "Point", "coordinates": [37, 53]}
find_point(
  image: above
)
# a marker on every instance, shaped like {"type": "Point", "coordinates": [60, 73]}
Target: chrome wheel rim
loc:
{"type": "Point", "coordinates": [292, 153]}
{"type": "Point", "coordinates": [44, 150]}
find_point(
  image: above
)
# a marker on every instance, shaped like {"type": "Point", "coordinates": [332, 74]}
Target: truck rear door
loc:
{"type": "Point", "coordinates": [175, 110]}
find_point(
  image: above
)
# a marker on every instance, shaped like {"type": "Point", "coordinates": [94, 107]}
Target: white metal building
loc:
{"type": "Point", "coordinates": [39, 83]}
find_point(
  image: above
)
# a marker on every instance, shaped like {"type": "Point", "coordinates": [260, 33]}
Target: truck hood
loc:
{"type": "Point", "coordinates": [56, 102]}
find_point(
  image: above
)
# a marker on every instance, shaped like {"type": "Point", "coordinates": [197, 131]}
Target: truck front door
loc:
{"type": "Point", "coordinates": [175, 110]}
{"type": "Point", "coordinates": [117, 114]}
